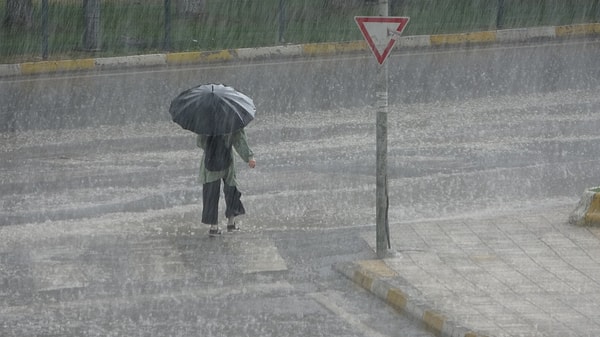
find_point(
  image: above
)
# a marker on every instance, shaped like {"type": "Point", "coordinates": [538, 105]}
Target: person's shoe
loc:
{"type": "Point", "coordinates": [231, 225]}
{"type": "Point", "coordinates": [214, 231]}
{"type": "Point", "coordinates": [232, 228]}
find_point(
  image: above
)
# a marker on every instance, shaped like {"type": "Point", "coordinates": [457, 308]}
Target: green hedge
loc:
{"type": "Point", "coordinates": [138, 26]}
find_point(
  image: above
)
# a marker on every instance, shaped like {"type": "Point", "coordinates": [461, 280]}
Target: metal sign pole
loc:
{"type": "Point", "coordinates": [381, 33]}
{"type": "Point", "coordinates": [167, 40]}
{"type": "Point", "coordinates": [45, 29]}
{"type": "Point", "coordinates": [381, 212]}
{"type": "Point", "coordinates": [91, 34]}
{"type": "Point", "coordinates": [381, 203]}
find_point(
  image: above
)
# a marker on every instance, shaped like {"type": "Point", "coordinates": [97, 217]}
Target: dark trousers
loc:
{"type": "Point", "coordinates": [210, 201]}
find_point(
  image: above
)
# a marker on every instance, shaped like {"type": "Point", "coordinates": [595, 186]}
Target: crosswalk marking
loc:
{"type": "Point", "coordinates": [330, 301]}
{"type": "Point", "coordinates": [55, 269]}
{"type": "Point", "coordinates": [259, 253]}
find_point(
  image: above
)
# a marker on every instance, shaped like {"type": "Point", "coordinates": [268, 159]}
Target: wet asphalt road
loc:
{"type": "Point", "coordinates": [167, 278]}
{"type": "Point", "coordinates": [100, 204]}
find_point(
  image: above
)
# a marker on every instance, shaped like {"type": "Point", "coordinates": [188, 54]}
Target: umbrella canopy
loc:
{"type": "Point", "coordinates": [212, 109]}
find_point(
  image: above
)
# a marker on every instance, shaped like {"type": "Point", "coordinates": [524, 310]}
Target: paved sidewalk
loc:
{"type": "Point", "coordinates": [527, 274]}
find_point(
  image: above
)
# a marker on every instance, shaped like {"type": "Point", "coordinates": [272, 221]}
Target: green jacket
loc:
{"type": "Point", "coordinates": [239, 141]}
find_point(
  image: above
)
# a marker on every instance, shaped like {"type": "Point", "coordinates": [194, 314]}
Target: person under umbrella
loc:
{"type": "Point", "coordinates": [218, 164]}
{"type": "Point", "coordinates": [218, 114]}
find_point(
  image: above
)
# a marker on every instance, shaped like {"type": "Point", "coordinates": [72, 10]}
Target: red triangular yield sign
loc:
{"type": "Point", "coordinates": [381, 33]}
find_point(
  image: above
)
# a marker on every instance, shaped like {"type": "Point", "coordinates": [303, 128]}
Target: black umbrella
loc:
{"type": "Point", "coordinates": [212, 109]}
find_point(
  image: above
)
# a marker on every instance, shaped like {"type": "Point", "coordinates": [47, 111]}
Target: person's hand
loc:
{"type": "Point", "coordinates": [252, 163]}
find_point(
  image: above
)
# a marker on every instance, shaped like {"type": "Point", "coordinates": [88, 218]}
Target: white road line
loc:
{"type": "Point", "coordinates": [212, 293]}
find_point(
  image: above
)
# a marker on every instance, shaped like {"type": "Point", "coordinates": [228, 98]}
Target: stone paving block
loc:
{"type": "Point", "coordinates": [490, 284]}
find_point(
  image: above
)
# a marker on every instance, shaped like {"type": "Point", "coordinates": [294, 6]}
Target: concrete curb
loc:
{"type": "Point", "coordinates": [587, 212]}
{"type": "Point", "coordinates": [376, 277]}
{"type": "Point", "coordinates": [303, 50]}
